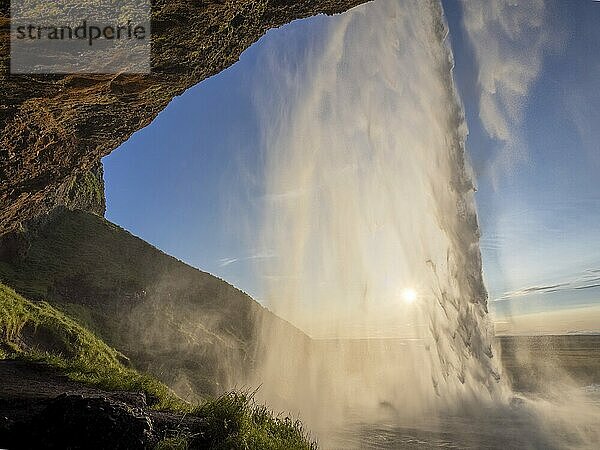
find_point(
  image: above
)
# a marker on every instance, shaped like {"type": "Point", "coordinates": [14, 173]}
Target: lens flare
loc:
{"type": "Point", "coordinates": [409, 295]}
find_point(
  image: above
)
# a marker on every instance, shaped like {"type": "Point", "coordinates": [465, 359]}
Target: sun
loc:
{"type": "Point", "coordinates": [409, 295]}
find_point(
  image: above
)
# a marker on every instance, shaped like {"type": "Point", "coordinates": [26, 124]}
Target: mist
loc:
{"type": "Point", "coordinates": [368, 207]}
{"type": "Point", "coordinates": [368, 212]}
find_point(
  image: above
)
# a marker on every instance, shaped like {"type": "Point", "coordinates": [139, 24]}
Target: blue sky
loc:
{"type": "Point", "coordinates": [541, 218]}
{"type": "Point", "coordinates": [182, 182]}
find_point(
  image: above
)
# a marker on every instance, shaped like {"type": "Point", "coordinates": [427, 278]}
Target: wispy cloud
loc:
{"type": "Point", "coordinates": [589, 279]}
{"type": "Point", "coordinates": [509, 39]}
{"type": "Point", "coordinates": [224, 262]}
{"type": "Point", "coordinates": [590, 286]}
{"type": "Point", "coordinates": [534, 290]}
{"type": "Point", "coordinates": [227, 261]}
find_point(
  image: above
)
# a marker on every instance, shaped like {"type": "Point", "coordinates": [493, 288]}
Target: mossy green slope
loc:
{"type": "Point", "coordinates": [172, 320]}
{"type": "Point", "coordinates": [39, 332]}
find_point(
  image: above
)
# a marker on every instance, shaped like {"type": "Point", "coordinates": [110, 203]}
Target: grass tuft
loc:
{"type": "Point", "coordinates": [234, 420]}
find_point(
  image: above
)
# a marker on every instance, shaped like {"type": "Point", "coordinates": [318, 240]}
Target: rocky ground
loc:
{"type": "Point", "coordinates": [42, 409]}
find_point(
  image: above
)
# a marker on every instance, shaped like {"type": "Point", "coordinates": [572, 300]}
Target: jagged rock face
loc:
{"type": "Point", "coordinates": [55, 127]}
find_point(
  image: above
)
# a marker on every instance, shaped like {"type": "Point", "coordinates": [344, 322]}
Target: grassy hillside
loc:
{"type": "Point", "coordinates": [192, 330]}
{"type": "Point", "coordinates": [40, 332]}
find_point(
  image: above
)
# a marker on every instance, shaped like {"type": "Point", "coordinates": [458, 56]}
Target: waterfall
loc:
{"type": "Point", "coordinates": [369, 210]}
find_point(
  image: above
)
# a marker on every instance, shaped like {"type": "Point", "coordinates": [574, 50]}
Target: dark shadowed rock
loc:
{"type": "Point", "coordinates": [76, 421]}
{"type": "Point", "coordinates": [42, 409]}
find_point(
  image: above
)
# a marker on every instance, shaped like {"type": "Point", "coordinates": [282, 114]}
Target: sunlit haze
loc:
{"type": "Point", "coordinates": [538, 207]}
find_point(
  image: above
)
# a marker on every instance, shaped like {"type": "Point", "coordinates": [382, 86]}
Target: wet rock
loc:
{"type": "Point", "coordinates": [75, 421]}
{"type": "Point", "coordinates": [40, 408]}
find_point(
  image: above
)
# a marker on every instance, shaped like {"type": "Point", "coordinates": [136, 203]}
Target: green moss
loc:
{"type": "Point", "coordinates": [173, 443]}
{"type": "Point", "coordinates": [85, 191]}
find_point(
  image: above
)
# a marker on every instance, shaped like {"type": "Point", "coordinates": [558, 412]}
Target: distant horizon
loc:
{"type": "Point", "coordinates": [498, 333]}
